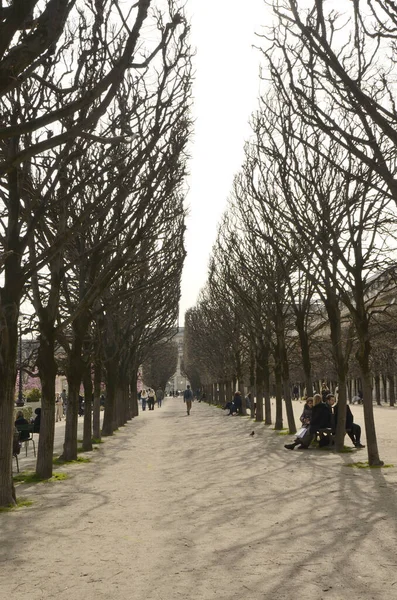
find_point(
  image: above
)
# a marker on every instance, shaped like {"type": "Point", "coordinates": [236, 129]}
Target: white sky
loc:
{"type": "Point", "coordinates": [225, 94]}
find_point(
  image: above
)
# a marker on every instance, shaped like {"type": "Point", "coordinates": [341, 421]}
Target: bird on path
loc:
{"type": "Point", "coordinates": [252, 433]}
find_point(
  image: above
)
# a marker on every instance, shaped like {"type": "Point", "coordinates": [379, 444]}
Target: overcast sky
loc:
{"type": "Point", "coordinates": [225, 94]}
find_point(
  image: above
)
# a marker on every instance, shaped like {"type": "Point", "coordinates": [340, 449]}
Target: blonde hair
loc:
{"type": "Point", "coordinates": [316, 399]}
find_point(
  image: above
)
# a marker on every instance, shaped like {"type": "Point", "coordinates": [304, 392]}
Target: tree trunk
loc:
{"type": "Point", "coordinates": [286, 383]}
{"type": "Point", "coordinates": [120, 404]}
{"type": "Point", "coordinates": [252, 381]}
{"type": "Point", "coordinates": [363, 358]}
{"type": "Point", "coordinates": [108, 417]}
{"type": "Point", "coordinates": [341, 424]}
{"type": "Point", "coordinates": [10, 298]}
{"type": "Point", "coordinates": [384, 388]}
{"type": "Point", "coordinates": [264, 361]}
{"type": "Point", "coordinates": [75, 371]}
{"type": "Point", "coordinates": [279, 403]}
{"type": "Point", "coordinates": [87, 430]}
{"type": "Point", "coordinates": [377, 389]}
{"type": "Point", "coordinates": [48, 370]}
{"type": "Point", "coordinates": [229, 393]}
{"type": "Point", "coordinates": [96, 415]}
{"type": "Point", "coordinates": [134, 399]}
{"type": "Point", "coordinates": [259, 376]}
{"type": "Point", "coordinates": [7, 390]}
{"type": "Point", "coordinates": [288, 406]}
{"type": "Point", "coordinates": [72, 413]}
{"type": "Point", "coordinates": [392, 391]}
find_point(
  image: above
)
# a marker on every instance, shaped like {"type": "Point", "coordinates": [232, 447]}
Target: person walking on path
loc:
{"type": "Point", "coordinates": [144, 398]}
{"type": "Point", "coordinates": [64, 400]}
{"type": "Point", "coordinates": [159, 397]}
{"type": "Point", "coordinates": [58, 407]}
{"type": "Point", "coordinates": [151, 395]}
{"type": "Point", "coordinates": [188, 397]}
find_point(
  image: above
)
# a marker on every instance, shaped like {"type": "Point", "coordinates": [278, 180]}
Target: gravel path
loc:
{"type": "Point", "coordinates": [195, 508]}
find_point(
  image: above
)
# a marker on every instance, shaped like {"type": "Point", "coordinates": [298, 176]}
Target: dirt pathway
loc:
{"type": "Point", "coordinates": [196, 508]}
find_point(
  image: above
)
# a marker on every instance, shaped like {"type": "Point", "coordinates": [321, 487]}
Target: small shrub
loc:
{"type": "Point", "coordinates": [34, 395]}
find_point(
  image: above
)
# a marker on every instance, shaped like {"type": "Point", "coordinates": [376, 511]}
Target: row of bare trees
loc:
{"type": "Point", "coordinates": [95, 100]}
{"type": "Point", "coordinates": [305, 258]}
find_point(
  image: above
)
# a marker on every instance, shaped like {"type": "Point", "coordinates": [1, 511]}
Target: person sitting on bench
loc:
{"type": "Point", "coordinates": [235, 405]}
{"type": "Point", "coordinates": [20, 420]}
{"type": "Point", "coordinates": [321, 419]}
{"type": "Point", "coordinates": [353, 430]}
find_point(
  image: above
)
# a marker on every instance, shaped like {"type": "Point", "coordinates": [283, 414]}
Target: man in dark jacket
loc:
{"type": "Point", "coordinates": [188, 397]}
{"type": "Point", "coordinates": [322, 415]}
{"type": "Point", "coordinates": [353, 430]}
{"type": "Point", "coordinates": [37, 421]}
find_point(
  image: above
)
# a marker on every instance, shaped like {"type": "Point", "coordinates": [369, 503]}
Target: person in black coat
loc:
{"type": "Point", "coordinates": [20, 420]}
{"type": "Point", "coordinates": [37, 421]}
{"type": "Point", "coordinates": [353, 430]}
{"type": "Point", "coordinates": [322, 415]}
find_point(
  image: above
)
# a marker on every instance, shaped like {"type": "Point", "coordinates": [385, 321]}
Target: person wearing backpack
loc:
{"type": "Point", "coordinates": [188, 397]}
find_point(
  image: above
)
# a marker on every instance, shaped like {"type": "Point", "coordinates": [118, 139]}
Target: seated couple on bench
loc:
{"type": "Point", "coordinates": [318, 419]}
{"type": "Point", "coordinates": [234, 407]}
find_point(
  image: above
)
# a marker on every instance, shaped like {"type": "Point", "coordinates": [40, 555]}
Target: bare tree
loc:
{"type": "Point", "coordinates": [64, 72]}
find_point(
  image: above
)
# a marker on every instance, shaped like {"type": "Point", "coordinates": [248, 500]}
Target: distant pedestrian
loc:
{"type": "Point", "coordinates": [187, 398]}
{"type": "Point", "coordinates": [159, 397]}
{"type": "Point", "coordinates": [324, 391]}
{"type": "Point", "coordinates": [58, 407]}
{"type": "Point", "coordinates": [151, 396]}
{"type": "Point", "coordinates": [64, 400]}
{"type": "Point", "coordinates": [144, 399]}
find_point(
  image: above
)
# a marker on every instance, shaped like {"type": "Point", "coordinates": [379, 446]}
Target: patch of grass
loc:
{"type": "Point", "coordinates": [365, 465]}
{"type": "Point", "coordinates": [79, 459]}
{"type": "Point", "coordinates": [21, 502]}
{"type": "Point", "coordinates": [282, 432]}
{"type": "Point", "coordinates": [59, 477]}
{"type": "Point", "coordinates": [32, 477]}
{"type": "Point", "coordinates": [27, 477]}
{"type": "Point", "coordinates": [346, 450]}
{"type": "Point", "coordinates": [97, 441]}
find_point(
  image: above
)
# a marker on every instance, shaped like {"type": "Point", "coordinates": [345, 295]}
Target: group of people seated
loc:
{"type": "Point", "coordinates": [235, 405]}
{"type": "Point", "coordinates": [320, 418]}
{"type": "Point", "coordinates": [20, 420]}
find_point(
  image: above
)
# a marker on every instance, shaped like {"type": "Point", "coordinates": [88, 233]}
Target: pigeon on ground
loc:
{"type": "Point", "coordinates": [252, 433]}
